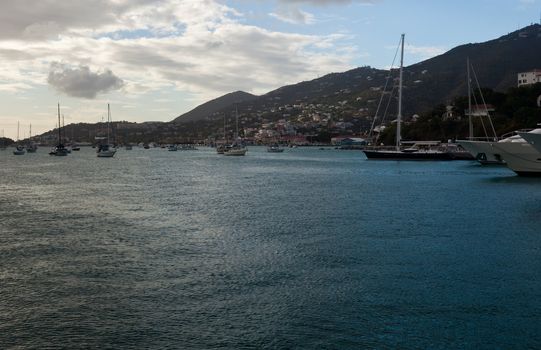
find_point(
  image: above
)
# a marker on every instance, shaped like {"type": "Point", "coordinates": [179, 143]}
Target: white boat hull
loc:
{"type": "Point", "coordinates": [482, 151]}
{"type": "Point", "coordinates": [236, 152]}
{"type": "Point", "coordinates": [522, 158]}
{"type": "Point", "coordinates": [106, 154]}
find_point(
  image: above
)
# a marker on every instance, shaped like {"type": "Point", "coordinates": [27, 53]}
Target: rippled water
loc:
{"type": "Point", "coordinates": [306, 249]}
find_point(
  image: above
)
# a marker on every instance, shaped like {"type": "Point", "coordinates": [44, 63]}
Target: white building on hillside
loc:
{"type": "Point", "coordinates": [528, 78]}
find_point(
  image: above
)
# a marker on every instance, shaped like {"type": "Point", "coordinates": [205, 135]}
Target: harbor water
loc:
{"type": "Point", "coordinates": [306, 249]}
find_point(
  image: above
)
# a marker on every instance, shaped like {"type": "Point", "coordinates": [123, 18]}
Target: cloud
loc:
{"type": "Point", "coordinates": [202, 48]}
{"type": "Point", "coordinates": [292, 14]}
{"type": "Point", "coordinates": [330, 2]}
{"type": "Point", "coordinates": [81, 81]}
{"type": "Point", "coordinates": [289, 11]}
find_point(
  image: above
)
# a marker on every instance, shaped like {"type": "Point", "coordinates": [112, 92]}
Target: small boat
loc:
{"type": "Point", "coordinates": [172, 148]}
{"type": "Point", "coordinates": [59, 150]}
{"type": "Point", "coordinates": [75, 148]}
{"type": "Point", "coordinates": [275, 148]}
{"type": "Point", "coordinates": [19, 150]}
{"type": "Point", "coordinates": [235, 150]}
{"type": "Point", "coordinates": [187, 148]}
{"type": "Point", "coordinates": [106, 150]}
{"type": "Point", "coordinates": [128, 147]}
{"type": "Point", "coordinates": [220, 149]}
{"type": "Point", "coordinates": [31, 147]}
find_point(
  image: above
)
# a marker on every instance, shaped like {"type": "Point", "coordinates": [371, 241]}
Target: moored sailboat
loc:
{"type": "Point", "coordinates": [481, 148]}
{"type": "Point", "coordinates": [236, 149]}
{"type": "Point", "coordinates": [399, 153]}
{"type": "Point", "coordinates": [106, 150]}
{"type": "Point", "coordinates": [19, 149]}
{"type": "Point", "coordinates": [59, 149]}
{"type": "Point", "coordinates": [31, 147]}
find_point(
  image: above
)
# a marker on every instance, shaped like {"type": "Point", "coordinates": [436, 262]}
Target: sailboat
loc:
{"type": "Point", "coordinates": [106, 150]}
{"type": "Point", "coordinates": [220, 149]}
{"type": "Point", "coordinates": [481, 148]}
{"type": "Point", "coordinates": [236, 149]}
{"type": "Point", "coordinates": [59, 149]}
{"type": "Point", "coordinates": [410, 153]}
{"type": "Point", "coordinates": [19, 149]}
{"type": "Point", "coordinates": [31, 147]}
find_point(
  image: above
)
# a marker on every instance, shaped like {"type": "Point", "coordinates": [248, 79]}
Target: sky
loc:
{"type": "Point", "coordinates": [153, 60]}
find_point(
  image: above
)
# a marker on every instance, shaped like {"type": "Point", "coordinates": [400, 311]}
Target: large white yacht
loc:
{"type": "Point", "coordinates": [484, 151]}
{"type": "Point", "coordinates": [520, 156]}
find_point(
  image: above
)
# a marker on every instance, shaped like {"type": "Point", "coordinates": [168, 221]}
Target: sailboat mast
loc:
{"type": "Point", "coordinates": [237, 123]}
{"type": "Point", "coordinates": [17, 131]}
{"type": "Point", "coordinates": [59, 132]}
{"type": "Point", "coordinates": [470, 123]}
{"type": "Point", "coordinates": [399, 117]}
{"type": "Point", "coordinates": [108, 120]}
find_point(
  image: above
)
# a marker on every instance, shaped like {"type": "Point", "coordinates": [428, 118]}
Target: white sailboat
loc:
{"type": "Point", "coordinates": [236, 149]}
{"type": "Point", "coordinates": [481, 148]}
{"type": "Point", "coordinates": [107, 150]}
{"type": "Point", "coordinates": [59, 150]}
{"type": "Point", "coordinates": [19, 149]}
{"type": "Point", "coordinates": [31, 147]}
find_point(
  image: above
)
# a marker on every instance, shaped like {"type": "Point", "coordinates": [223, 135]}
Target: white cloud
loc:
{"type": "Point", "coordinates": [292, 14]}
{"type": "Point", "coordinates": [81, 81]}
{"type": "Point", "coordinates": [196, 46]}
{"type": "Point", "coordinates": [330, 2]}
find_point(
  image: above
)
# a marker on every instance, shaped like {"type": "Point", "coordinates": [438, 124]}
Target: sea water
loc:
{"type": "Point", "coordinates": [306, 249]}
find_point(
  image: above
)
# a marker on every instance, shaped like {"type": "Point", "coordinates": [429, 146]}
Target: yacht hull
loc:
{"type": "Point", "coordinates": [522, 158]}
{"type": "Point", "coordinates": [235, 152]}
{"type": "Point", "coordinates": [398, 155]}
{"type": "Point", "coordinates": [482, 151]}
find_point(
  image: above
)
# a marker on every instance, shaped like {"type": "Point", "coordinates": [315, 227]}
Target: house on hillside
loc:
{"type": "Point", "coordinates": [529, 78]}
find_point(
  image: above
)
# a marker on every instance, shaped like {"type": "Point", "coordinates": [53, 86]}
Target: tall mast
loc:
{"type": "Point", "coordinates": [108, 120]}
{"type": "Point", "coordinates": [399, 117]}
{"type": "Point", "coordinates": [59, 132]}
{"type": "Point", "coordinates": [17, 131]}
{"type": "Point", "coordinates": [237, 123]}
{"type": "Point", "coordinates": [224, 131]}
{"type": "Point", "coordinates": [470, 123]}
